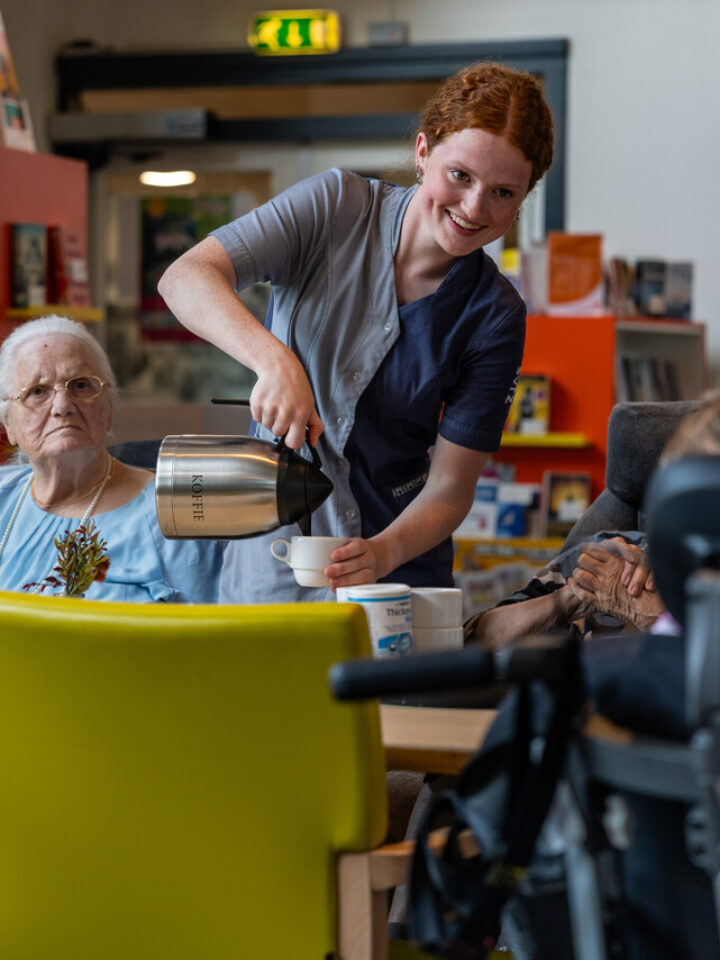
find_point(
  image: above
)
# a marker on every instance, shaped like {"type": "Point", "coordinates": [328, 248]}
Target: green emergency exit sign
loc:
{"type": "Point", "coordinates": [289, 32]}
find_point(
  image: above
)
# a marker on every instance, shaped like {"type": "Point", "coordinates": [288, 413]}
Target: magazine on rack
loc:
{"type": "Point", "coordinates": [529, 413]}
{"type": "Point", "coordinates": [565, 497]}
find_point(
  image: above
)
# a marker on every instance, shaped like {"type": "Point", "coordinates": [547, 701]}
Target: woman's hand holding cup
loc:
{"type": "Point", "coordinates": [307, 556]}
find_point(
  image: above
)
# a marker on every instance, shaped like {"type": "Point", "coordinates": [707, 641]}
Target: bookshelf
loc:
{"type": "Point", "coordinates": [677, 342]}
{"type": "Point", "coordinates": [581, 355]}
{"type": "Point", "coordinates": [85, 314]}
{"type": "Point", "coordinates": [546, 440]}
{"type": "Point", "coordinates": [39, 188]}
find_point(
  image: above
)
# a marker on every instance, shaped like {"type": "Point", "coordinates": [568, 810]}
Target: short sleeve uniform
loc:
{"type": "Point", "coordinates": [386, 380]}
{"type": "Point", "coordinates": [144, 566]}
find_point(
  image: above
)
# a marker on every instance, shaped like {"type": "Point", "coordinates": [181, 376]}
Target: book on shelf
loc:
{"type": "Point", "coordinates": [575, 274]}
{"type": "Point", "coordinates": [647, 379]}
{"type": "Point", "coordinates": [68, 278]}
{"type": "Point", "coordinates": [565, 497]}
{"type": "Point", "coordinates": [656, 379]}
{"type": "Point", "coordinates": [620, 287]}
{"type": "Point", "coordinates": [529, 413]}
{"type": "Point", "coordinates": [8, 78]}
{"type": "Point", "coordinates": [622, 393]}
{"type": "Point", "coordinates": [533, 277]}
{"type": "Point", "coordinates": [16, 129]}
{"type": "Point", "coordinates": [27, 246]}
{"type": "Point", "coordinates": [672, 378]}
{"type": "Point", "coordinates": [510, 265]}
{"type": "Point", "coordinates": [632, 370]}
{"type": "Point", "coordinates": [650, 287]}
{"type": "Point", "coordinates": [678, 289]}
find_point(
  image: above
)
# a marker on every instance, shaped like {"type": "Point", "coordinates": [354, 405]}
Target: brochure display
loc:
{"type": "Point", "coordinates": [16, 129]}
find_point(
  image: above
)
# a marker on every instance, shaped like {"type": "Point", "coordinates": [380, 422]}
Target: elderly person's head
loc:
{"type": "Point", "coordinates": [699, 432]}
{"type": "Point", "coordinates": [56, 388]}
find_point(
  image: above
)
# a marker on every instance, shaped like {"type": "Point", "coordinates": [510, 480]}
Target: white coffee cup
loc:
{"type": "Point", "coordinates": [388, 609]}
{"type": "Point", "coordinates": [308, 557]}
{"type": "Point", "coordinates": [437, 607]}
{"type": "Point", "coordinates": [435, 639]}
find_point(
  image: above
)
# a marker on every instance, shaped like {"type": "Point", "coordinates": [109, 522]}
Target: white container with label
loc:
{"type": "Point", "coordinates": [388, 608]}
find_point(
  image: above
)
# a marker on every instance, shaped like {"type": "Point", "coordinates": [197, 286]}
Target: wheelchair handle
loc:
{"type": "Point", "coordinates": [455, 669]}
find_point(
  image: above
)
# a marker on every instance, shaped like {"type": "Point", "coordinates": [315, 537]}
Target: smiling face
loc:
{"type": "Point", "coordinates": [473, 183]}
{"type": "Point", "coordinates": [63, 425]}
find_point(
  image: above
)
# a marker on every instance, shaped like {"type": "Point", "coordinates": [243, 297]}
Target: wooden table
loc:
{"type": "Point", "coordinates": [443, 739]}
{"type": "Point", "coordinates": [432, 739]}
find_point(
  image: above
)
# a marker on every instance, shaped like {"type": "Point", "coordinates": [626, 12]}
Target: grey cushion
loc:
{"type": "Point", "coordinates": [637, 434]}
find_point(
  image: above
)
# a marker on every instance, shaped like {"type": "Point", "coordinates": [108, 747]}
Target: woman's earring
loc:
{"type": "Point", "coordinates": [418, 175]}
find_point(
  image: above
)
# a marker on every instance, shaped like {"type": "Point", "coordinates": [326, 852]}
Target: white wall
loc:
{"type": "Point", "coordinates": [644, 97]}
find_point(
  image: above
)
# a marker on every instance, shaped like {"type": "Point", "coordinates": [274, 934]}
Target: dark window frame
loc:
{"type": "Point", "coordinates": [79, 70]}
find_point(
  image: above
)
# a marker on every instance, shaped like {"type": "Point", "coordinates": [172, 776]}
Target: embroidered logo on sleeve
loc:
{"type": "Point", "coordinates": [513, 388]}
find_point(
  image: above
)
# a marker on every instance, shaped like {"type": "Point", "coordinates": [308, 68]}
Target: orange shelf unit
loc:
{"type": "Point", "coordinates": [578, 353]}
{"type": "Point", "coordinates": [37, 188]}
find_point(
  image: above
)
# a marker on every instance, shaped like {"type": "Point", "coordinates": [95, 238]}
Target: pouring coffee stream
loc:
{"type": "Point", "coordinates": [231, 487]}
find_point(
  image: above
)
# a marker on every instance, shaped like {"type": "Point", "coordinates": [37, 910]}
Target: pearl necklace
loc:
{"type": "Point", "coordinates": [85, 517]}
{"type": "Point", "coordinates": [46, 503]}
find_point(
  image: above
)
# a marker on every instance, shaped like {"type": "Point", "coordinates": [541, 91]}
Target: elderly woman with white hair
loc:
{"type": "Point", "coordinates": [57, 393]}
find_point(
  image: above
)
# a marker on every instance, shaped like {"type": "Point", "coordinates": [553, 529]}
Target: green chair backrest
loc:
{"type": "Point", "coordinates": [176, 780]}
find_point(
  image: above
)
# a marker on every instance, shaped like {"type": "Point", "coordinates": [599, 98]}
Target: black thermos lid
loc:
{"type": "Point", "coordinates": [301, 487]}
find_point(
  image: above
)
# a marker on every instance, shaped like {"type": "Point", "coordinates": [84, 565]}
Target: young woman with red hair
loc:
{"type": "Point", "coordinates": [391, 334]}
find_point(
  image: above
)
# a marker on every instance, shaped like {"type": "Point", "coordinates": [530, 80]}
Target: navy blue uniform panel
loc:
{"type": "Point", "coordinates": [448, 372]}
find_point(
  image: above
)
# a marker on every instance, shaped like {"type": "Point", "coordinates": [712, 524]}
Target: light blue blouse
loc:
{"type": "Point", "coordinates": [144, 566]}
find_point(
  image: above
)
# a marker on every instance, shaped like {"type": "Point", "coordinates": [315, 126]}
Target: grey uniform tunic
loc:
{"type": "Point", "coordinates": [327, 245]}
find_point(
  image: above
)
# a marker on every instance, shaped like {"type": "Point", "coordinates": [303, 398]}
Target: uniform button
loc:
{"type": "Point", "coordinates": [388, 327]}
{"type": "Point", "coordinates": [340, 421]}
{"type": "Point", "coordinates": [339, 461]}
{"type": "Point", "coordinates": [356, 376]}
{"type": "Point", "coordinates": [349, 514]}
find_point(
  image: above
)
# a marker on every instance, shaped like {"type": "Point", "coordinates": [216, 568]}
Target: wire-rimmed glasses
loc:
{"type": "Point", "coordinates": [78, 388]}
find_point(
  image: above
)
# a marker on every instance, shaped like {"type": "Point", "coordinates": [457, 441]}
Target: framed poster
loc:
{"type": "Point", "coordinates": [169, 227]}
{"type": "Point", "coordinates": [565, 497]}
{"type": "Point", "coordinates": [15, 124]}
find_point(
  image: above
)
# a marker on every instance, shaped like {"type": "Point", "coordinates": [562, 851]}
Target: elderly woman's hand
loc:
{"type": "Point", "coordinates": [636, 575]}
{"type": "Point", "coordinates": [600, 575]}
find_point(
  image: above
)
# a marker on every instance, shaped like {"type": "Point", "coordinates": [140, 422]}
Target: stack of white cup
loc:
{"type": "Point", "coordinates": [404, 619]}
{"type": "Point", "coordinates": [437, 619]}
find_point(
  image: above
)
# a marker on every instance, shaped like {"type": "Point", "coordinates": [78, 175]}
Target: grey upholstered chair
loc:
{"type": "Point", "coordinates": [637, 433]}
{"type": "Point", "coordinates": [137, 453]}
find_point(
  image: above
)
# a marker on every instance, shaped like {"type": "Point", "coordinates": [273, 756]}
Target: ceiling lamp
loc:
{"type": "Point", "coordinates": [167, 178]}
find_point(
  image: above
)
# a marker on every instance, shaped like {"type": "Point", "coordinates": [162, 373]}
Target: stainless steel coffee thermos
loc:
{"type": "Point", "coordinates": [228, 487]}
